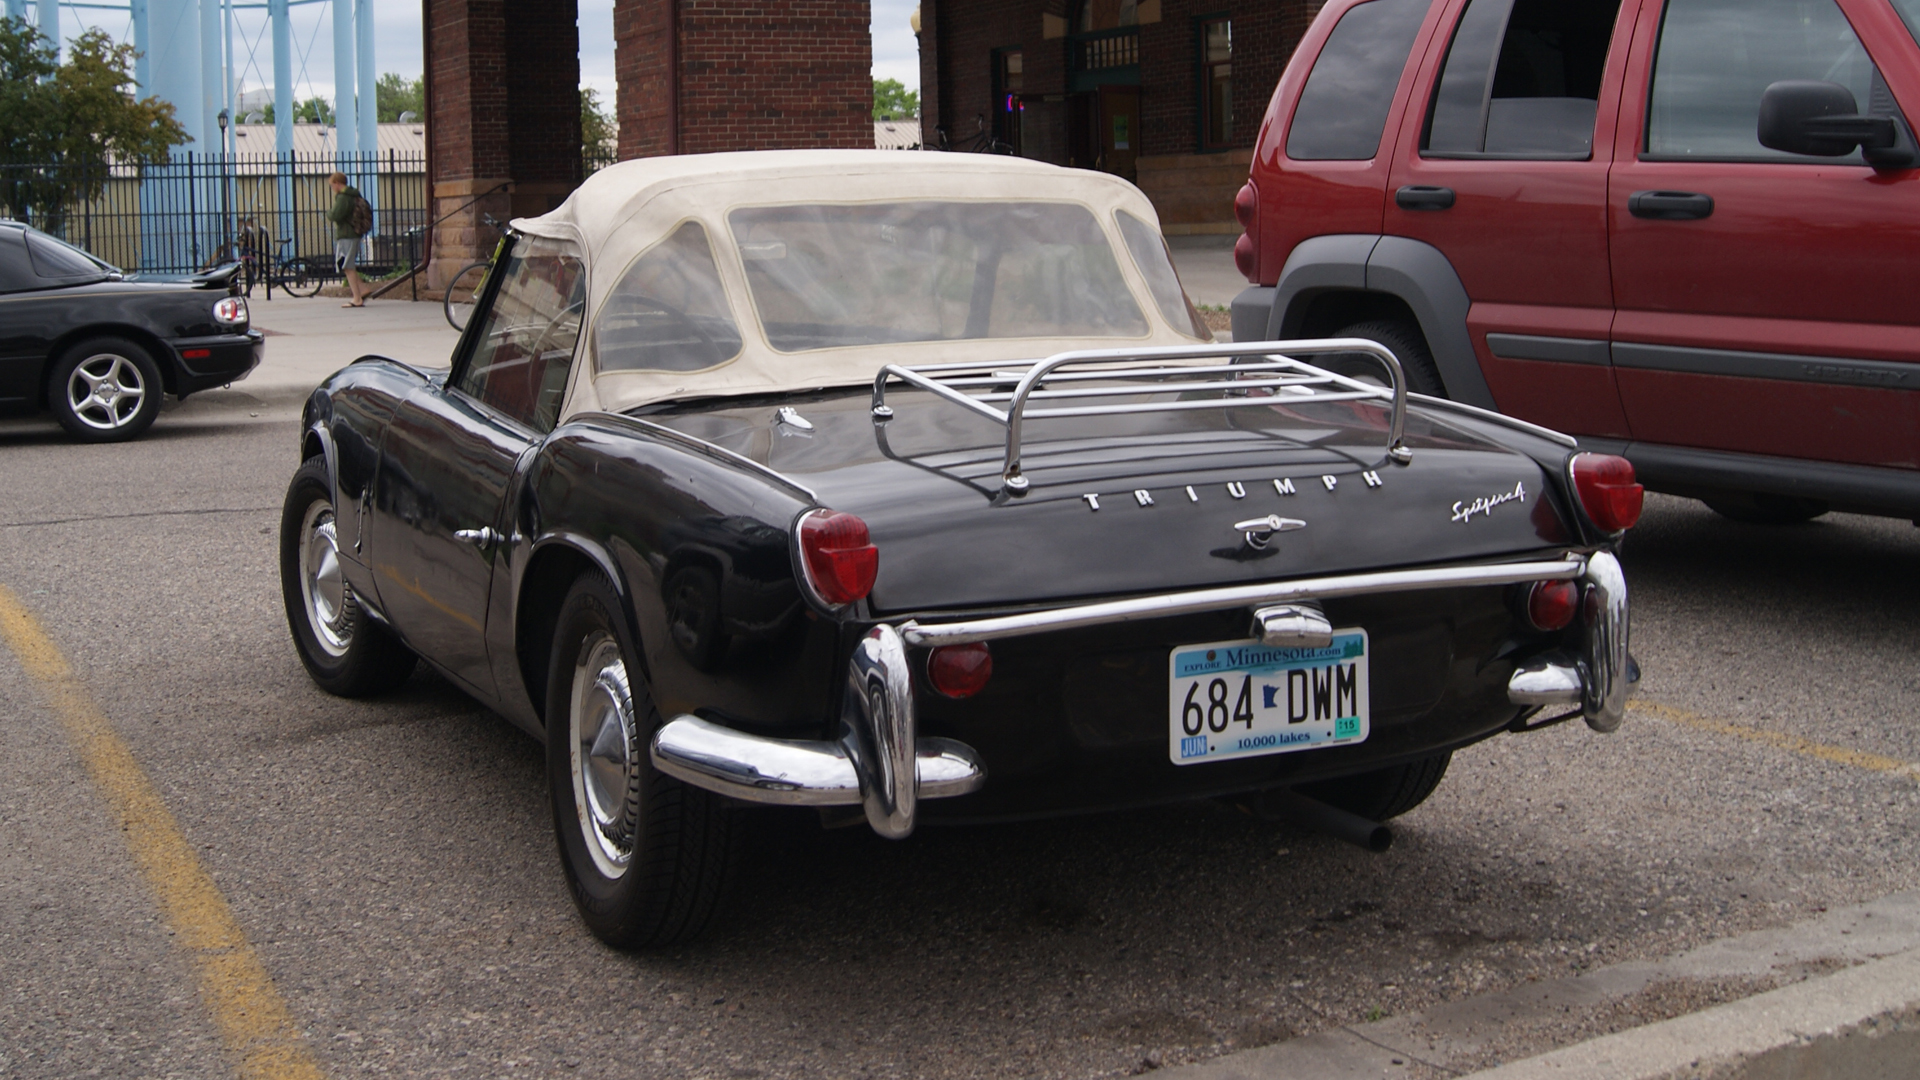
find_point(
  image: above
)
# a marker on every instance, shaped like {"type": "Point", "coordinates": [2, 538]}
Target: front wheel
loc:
{"type": "Point", "coordinates": [650, 860]}
{"type": "Point", "coordinates": [105, 390]}
{"type": "Point", "coordinates": [299, 279]}
{"type": "Point", "coordinates": [345, 651]}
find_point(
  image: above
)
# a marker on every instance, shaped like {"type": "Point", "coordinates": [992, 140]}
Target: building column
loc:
{"type": "Point", "coordinates": [742, 75]}
{"type": "Point", "coordinates": [504, 123]}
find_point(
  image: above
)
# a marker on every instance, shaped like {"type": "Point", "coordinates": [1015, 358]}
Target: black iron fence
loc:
{"type": "Point", "coordinates": [199, 210]}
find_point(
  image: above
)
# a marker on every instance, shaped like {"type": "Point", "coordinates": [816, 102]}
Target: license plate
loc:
{"type": "Point", "coordinates": [1237, 699]}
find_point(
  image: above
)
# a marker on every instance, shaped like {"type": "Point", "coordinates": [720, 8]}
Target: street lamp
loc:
{"type": "Point", "coordinates": [226, 171]}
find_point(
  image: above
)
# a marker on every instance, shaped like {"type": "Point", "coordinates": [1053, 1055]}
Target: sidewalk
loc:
{"type": "Point", "coordinates": [310, 338]}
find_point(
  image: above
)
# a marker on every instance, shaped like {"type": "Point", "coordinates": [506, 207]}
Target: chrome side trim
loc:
{"type": "Point", "coordinates": [1479, 413]}
{"type": "Point", "coordinates": [1188, 603]}
{"type": "Point", "coordinates": [1603, 648]}
{"type": "Point", "coordinates": [702, 445]}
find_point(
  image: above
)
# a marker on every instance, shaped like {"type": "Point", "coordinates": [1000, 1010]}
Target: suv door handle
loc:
{"type": "Point", "coordinates": [1423, 197]}
{"type": "Point", "coordinates": [1669, 205]}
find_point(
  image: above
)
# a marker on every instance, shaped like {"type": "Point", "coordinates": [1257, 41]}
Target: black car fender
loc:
{"type": "Point", "coordinates": [163, 353]}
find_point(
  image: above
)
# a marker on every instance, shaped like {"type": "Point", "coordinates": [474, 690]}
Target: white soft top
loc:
{"type": "Point", "coordinates": [621, 211]}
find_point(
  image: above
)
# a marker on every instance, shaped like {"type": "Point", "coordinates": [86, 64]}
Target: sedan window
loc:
{"type": "Point", "coordinates": [525, 347]}
{"type": "Point", "coordinates": [825, 276]}
{"type": "Point", "coordinates": [16, 270]}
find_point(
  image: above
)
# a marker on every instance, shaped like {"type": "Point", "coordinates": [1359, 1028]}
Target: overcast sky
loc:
{"type": "Point", "coordinates": [397, 22]}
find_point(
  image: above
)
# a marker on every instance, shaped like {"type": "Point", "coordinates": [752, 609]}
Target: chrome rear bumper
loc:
{"type": "Point", "coordinates": [1598, 674]}
{"type": "Point", "coordinates": [879, 762]}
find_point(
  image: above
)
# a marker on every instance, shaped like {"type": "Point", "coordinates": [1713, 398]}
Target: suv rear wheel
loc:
{"type": "Point", "coordinates": [1409, 346]}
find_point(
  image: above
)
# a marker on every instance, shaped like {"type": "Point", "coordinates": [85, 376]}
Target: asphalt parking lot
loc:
{"type": "Point", "coordinates": [391, 864]}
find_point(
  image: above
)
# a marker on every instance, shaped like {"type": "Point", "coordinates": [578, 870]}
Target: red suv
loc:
{"type": "Point", "coordinates": [1687, 231]}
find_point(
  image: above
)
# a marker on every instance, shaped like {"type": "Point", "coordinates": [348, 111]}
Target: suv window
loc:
{"type": "Point", "coordinates": [1716, 57]}
{"type": "Point", "coordinates": [1343, 107]}
{"type": "Point", "coordinates": [1910, 14]}
{"type": "Point", "coordinates": [1522, 80]}
{"type": "Point", "coordinates": [525, 346]}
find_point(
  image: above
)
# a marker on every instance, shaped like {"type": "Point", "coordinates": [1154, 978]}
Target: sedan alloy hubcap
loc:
{"type": "Point", "coordinates": [105, 391]}
{"type": "Point", "coordinates": [606, 753]}
{"type": "Point", "coordinates": [329, 600]}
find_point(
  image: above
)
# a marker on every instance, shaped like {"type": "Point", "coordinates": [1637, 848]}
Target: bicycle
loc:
{"type": "Point", "coordinates": [466, 285]}
{"type": "Point", "coordinates": [296, 275]}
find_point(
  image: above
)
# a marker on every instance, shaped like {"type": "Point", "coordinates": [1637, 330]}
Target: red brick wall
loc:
{"type": "Point", "coordinates": [775, 74]}
{"type": "Point", "coordinates": [750, 76]}
{"type": "Point", "coordinates": [967, 34]}
{"type": "Point", "coordinates": [468, 126]}
{"type": "Point", "coordinates": [542, 88]}
{"type": "Point", "coordinates": [642, 63]}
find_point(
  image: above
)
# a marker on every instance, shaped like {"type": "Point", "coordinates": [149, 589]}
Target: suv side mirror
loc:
{"type": "Point", "coordinates": [1822, 119]}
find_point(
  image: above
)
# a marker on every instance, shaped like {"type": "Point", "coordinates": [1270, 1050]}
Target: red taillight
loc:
{"type": "Point", "coordinates": [839, 558]}
{"type": "Point", "coordinates": [1246, 206]}
{"type": "Point", "coordinates": [1607, 490]}
{"type": "Point", "coordinates": [1246, 259]}
{"type": "Point", "coordinates": [1551, 605]}
{"type": "Point", "coordinates": [1246, 250]}
{"type": "Point", "coordinates": [960, 671]}
{"type": "Point", "coordinates": [231, 310]}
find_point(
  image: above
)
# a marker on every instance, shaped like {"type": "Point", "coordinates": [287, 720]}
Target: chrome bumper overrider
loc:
{"type": "Point", "coordinates": [880, 762]}
{"type": "Point", "coordinates": [1597, 675]}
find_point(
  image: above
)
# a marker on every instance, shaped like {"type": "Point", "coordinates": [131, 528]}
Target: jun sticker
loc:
{"type": "Point", "coordinates": [1464, 510]}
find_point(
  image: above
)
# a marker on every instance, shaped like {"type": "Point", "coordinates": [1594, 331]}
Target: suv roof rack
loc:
{"type": "Point", "coordinates": [1270, 366]}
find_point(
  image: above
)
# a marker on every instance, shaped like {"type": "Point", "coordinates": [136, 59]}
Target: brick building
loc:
{"type": "Point", "coordinates": [503, 100]}
{"type": "Point", "coordinates": [1168, 93]}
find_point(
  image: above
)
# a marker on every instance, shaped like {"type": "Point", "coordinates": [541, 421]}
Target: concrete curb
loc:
{"type": "Point", "coordinates": [1870, 1006]}
{"type": "Point", "coordinates": [1856, 1024]}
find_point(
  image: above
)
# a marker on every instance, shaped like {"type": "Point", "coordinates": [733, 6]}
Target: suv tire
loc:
{"type": "Point", "coordinates": [1767, 509]}
{"type": "Point", "coordinates": [1409, 345]}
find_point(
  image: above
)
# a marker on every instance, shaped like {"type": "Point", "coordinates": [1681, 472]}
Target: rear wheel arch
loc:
{"type": "Point", "coordinates": [555, 565]}
{"type": "Point", "coordinates": [162, 353]}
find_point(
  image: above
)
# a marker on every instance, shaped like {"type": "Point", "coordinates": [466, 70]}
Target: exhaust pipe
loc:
{"type": "Point", "coordinates": [1288, 805]}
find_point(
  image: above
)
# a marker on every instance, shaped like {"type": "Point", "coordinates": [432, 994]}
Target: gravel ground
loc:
{"type": "Point", "coordinates": [393, 862]}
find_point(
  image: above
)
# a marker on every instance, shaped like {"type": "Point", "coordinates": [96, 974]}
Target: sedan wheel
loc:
{"type": "Point", "coordinates": [105, 390]}
{"type": "Point", "coordinates": [650, 860]}
{"type": "Point", "coordinates": [343, 648]}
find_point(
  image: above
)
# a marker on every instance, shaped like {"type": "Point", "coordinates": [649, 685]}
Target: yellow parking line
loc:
{"type": "Point", "coordinates": [249, 1012]}
{"type": "Point", "coordinates": [1837, 754]}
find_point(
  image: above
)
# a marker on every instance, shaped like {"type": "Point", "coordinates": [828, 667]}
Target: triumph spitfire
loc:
{"type": "Point", "coordinates": [911, 488]}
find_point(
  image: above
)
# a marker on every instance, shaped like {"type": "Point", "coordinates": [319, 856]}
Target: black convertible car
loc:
{"type": "Point", "coordinates": [910, 488]}
{"type": "Point", "coordinates": [98, 348]}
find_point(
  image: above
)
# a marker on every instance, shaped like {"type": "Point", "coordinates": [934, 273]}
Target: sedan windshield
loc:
{"type": "Point", "coordinates": [825, 276]}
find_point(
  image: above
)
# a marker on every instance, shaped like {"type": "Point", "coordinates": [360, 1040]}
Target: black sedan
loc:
{"type": "Point", "coordinates": [98, 348]}
{"type": "Point", "coordinates": [912, 490]}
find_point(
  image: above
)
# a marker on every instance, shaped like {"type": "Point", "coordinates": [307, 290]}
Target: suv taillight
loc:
{"type": "Point", "coordinates": [1607, 490]}
{"type": "Point", "coordinates": [1246, 250]}
{"type": "Point", "coordinates": [837, 556]}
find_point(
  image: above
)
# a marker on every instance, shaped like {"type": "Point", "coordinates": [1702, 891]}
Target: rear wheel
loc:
{"type": "Point", "coordinates": [650, 860]}
{"type": "Point", "coordinates": [105, 390]}
{"type": "Point", "coordinates": [1408, 345]}
{"type": "Point", "coordinates": [462, 292]}
{"type": "Point", "coordinates": [1767, 509]}
{"type": "Point", "coordinates": [1384, 793]}
{"type": "Point", "coordinates": [299, 279]}
{"type": "Point", "coordinates": [344, 650]}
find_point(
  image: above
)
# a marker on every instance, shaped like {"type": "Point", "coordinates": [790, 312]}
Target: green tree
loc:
{"type": "Point", "coordinates": [599, 135]}
{"type": "Point", "coordinates": [893, 101]}
{"type": "Point", "coordinates": [314, 110]}
{"type": "Point", "coordinates": [394, 95]}
{"type": "Point", "coordinates": [78, 115]}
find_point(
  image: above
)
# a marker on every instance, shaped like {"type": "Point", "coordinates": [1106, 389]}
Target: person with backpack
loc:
{"type": "Point", "coordinates": [352, 218]}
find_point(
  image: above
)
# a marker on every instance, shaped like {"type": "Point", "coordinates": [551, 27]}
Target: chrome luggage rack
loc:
{"type": "Point", "coordinates": [1269, 366]}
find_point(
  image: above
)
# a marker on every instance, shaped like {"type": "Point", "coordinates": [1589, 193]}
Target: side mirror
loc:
{"type": "Point", "coordinates": [1822, 119]}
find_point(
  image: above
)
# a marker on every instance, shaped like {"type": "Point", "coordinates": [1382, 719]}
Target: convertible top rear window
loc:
{"type": "Point", "coordinates": [826, 276]}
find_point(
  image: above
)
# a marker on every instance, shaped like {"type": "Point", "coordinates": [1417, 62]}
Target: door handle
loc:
{"type": "Point", "coordinates": [1669, 205]}
{"type": "Point", "coordinates": [483, 537]}
{"type": "Point", "coordinates": [1423, 197]}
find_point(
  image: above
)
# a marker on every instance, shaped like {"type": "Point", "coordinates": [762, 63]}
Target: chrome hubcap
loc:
{"type": "Point", "coordinates": [329, 600]}
{"type": "Point", "coordinates": [606, 753]}
{"type": "Point", "coordinates": [105, 391]}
